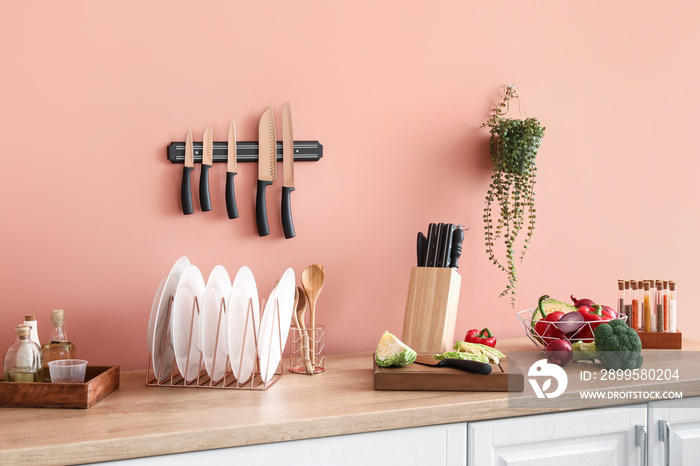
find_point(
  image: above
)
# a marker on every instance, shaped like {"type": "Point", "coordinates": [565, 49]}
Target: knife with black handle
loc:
{"type": "Point", "coordinates": [207, 160]}
{"type": "Point", "coordinates": [420, 248]}
{"type": "Point", "coordinates": [475, 367]}
{"type": "Point", "coordinates": [186, 189]}
{"type": "Point", "coordinates": [267, 167]}
{"type": "Point", "coordinates": [288, 167]}
{"type": "Point", "coordinates": [232, 169]}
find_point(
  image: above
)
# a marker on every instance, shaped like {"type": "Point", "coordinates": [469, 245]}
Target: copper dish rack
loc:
{"type": "Point", "coordinates": [203, 380]}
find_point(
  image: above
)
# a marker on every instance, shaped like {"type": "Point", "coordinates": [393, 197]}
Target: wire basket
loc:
{"type": "Point", "coordinates": [527, 323]}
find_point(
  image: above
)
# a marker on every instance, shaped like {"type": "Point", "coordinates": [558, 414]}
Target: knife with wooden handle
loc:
{"type": "Point", "coordinates": [288, 166]}
{"type": "Point", "coordinates": [267, 167]}
{"type": "Point", "coordinates": [186, 190]}
{"type": "Point", "coordinates": [207, 160]}
{"type": "Point", "coordinates": [232, 169]}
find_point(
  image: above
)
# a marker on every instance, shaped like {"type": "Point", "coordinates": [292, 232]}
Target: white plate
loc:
{"type": "Point", "coordinates": [242, 353]}
{"type": "Point", "coordinates": [185, 320]}
{"type": "Point", "coordinates": [152, 318]}
{"type": "Point", "coordinates": [161, 342]}
{"type": "Point", "coordinates": [271, 341]}
{"type": "Point", "coordinates": [213, 321]}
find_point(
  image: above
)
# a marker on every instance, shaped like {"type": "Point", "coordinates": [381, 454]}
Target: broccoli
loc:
{"type": "Point", "coordinates": [618, 345]}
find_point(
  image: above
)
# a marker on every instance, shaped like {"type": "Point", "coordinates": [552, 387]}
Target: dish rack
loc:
{"type": "Point", "coordinates": [527, 323]}
{"type": "Point", "coordinates": [203, 380]}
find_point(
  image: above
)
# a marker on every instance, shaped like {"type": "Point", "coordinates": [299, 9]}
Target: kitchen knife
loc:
{"type": "Point", "coordinates": [231, 171]}
{"type": "Point", "coordinates": [440, 249]}
{"type": "Point", "coordinates": [447, 251]}
{"type": "Point", "coordinates": [288, 166]}
{"type": "Point", "coordinates": [430, 250]}
{"type": "Point", "coordinates": [420, 248]}
{"type": "Point", "coordinates": [207, 159]}
{"type": "Point", "coordinates": [474, 367]}
{"type": "Point", "coordinates": [267, 167]}
{"type": "Point", "coordinates": [457, 238]}
{"type": "Point", "coordinates": [186, 191]}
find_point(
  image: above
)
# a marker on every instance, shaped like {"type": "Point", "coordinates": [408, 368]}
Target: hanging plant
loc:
{"type": "Point", "coordinates": [513, 147]}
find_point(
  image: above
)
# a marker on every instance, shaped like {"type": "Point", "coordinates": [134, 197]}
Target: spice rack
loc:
{"type": "Point", "coordinates": [176, 379]}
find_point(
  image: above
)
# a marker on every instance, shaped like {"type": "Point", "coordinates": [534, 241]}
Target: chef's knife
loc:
{"type": "Point", "coordinates": [447, 251]}
{"type": "Point", "coordinates": [267, 167]}
{"type": "Point", "coordinates": [186, 191]}
{"type": "Point", "coordinates": [207, 159]}
{"type": "Point", "coordinates": [288, 166]}
{"type": "Point", "coordinates": [475, 367]}
{"type": "Point", "coordinates": [457, 238]}
{"type": "Point", "coordinates": [440, 249]}
{"type": "Point", "coordinates": [231, 171]}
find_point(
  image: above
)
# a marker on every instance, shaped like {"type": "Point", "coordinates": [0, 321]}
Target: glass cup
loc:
{"type": "Point", "coordinates": [307, 355]}
{"type": "Point", "coordinates": [67, 370]}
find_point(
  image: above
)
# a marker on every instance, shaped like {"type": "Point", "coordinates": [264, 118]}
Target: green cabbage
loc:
{"type": "Point", "coordinates": [393, 352]}
{"type": "Point", "coordinates": [461, 355]}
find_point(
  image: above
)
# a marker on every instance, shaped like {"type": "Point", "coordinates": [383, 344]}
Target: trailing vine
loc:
{"type": "Point", "coordinates": [513, 147]}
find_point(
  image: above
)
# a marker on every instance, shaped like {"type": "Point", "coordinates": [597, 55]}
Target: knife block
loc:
{"type": "Point", "coordinates": [431, 309]}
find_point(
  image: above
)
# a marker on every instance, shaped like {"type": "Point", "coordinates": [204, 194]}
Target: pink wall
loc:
{"type": "Point", "coordinates": [93, 92]}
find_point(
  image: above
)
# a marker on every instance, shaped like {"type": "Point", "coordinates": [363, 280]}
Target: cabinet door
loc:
{"type": "Point", "coordinates": [674, 432]}
{"type": "Point", "coordinates": [432, 445]}
{"type": "Point", "coordinates": [595, 436]}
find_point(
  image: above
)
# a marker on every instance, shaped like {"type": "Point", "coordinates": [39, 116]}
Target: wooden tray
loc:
{"type": "Point", "coordinates": [661, 340]}
{"type": "Point", "coordinates": [419, 377]}
{"type": "Point", "coordinates": [100, 382]}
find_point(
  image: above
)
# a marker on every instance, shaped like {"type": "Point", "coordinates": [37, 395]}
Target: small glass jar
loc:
{"type": "Point", "coordinates": [23, 359]}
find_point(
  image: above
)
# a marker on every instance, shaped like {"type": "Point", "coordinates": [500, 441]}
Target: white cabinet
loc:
{"type": "Point", "coordinates": [591, 437]}
{"type": "Point", "coordinates": [674, 432]}
{"type": "Point", "coordinates": [431, 445]}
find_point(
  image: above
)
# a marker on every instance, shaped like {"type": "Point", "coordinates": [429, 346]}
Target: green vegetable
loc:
{"type": "Point", "coordinates": [618, 346]}
{"type": "Point", "coordinates": [547, 306]}
{"type": "Point", "coordinates": [393, 352]}
{"type": "Point", "coordinates": [460, 355]}
{"type": "Point", "coordinates": [584, 351]}
{"type": "Point", "coordinates": [492, 354]}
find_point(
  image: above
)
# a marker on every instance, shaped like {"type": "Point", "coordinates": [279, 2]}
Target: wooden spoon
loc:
{"type": "Point", "coordinates": [312, 279]}
{"type": "Point", "coordinates": [298, 315]}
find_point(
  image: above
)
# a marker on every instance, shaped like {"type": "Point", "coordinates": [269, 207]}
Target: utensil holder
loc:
{"type": "Point", "coordinates": [431, 309]}
{"type": "Point", "coordinates": [307, 355]}
{"type": "Point", "coordinates": [229, 381]}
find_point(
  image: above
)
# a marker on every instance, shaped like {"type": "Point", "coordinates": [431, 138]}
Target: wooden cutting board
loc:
{"type": "Point", "coordinates": [419, 377]}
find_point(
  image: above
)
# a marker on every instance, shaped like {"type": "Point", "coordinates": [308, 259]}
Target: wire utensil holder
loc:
{"type": "Point", "coordinates": [176, 379]}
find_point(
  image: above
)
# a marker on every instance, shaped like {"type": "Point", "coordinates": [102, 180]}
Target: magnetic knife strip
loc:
{"type": "Point", "coordinates": [304, 151]}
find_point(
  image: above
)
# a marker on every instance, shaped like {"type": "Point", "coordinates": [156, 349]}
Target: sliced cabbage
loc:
{"type": "Point", "coordinates": [492, 354]}
{"type": "Point", "coordinates": [461, 355]}
{"type": "Point", "coordinates": [393, 352]}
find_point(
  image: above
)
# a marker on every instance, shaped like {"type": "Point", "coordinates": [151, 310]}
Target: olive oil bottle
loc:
{"type": "Point", "coordinates": [58, 346]}
{"type": "Point", "coordinates": [22, 362]}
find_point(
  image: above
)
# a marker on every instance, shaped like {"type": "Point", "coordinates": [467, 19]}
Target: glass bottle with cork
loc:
{"type": "Point", "coordinates": [23, 360]}
{"type": "Point", "coordinates": [58, 346]}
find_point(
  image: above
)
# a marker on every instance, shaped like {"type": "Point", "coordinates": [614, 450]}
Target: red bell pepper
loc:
{"type": "Point", "coordinates": [484, 337]}
{"type": "Point", "coordinates": [592, 317]}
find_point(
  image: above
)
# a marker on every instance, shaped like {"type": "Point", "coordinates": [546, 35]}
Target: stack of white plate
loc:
{"type": "Point", "coordinates": [221, 331]}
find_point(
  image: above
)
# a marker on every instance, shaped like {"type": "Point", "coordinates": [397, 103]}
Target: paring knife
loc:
{"type": "Point", "coordinates": [421, 244]}
{"type": "Point", "coordinates": [231, 171]}
{"type": "Point", "coordinates": [474, 367]}
{"type": "Point", "coordinates": [186, 191]}
{"type": "Point", "coordinates": [288, 166]}
{"type": "Point", "coordinates": [267, 167]}
{"type": "Point", "coordinates": [207, 160]}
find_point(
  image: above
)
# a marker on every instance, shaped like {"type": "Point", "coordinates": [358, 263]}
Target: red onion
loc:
{"type": "Point", "coordinates": [582, 302]}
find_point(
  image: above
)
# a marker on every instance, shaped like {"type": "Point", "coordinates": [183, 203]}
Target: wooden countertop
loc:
{"type": "Point", "coordinates": [137, 420]}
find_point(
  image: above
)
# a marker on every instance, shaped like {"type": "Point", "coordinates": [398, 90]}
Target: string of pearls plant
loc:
{"type": "Point", "coordinates": [513, 148]}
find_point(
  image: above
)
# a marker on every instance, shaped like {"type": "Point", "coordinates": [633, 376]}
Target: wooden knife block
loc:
{"type": "Point", "coordinates": [431, 309]}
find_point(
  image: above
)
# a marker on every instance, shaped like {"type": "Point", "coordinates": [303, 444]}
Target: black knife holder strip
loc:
{"type": "Point", "coordinates": [246, 151]}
